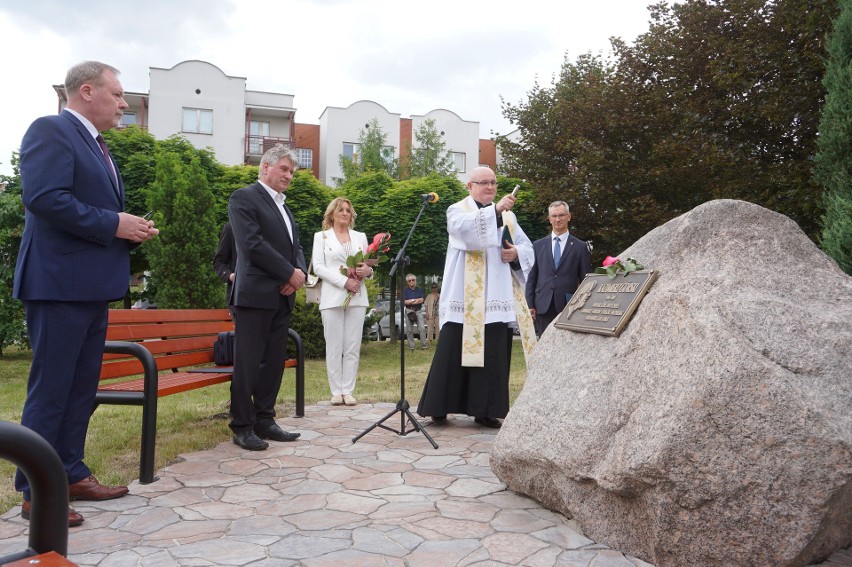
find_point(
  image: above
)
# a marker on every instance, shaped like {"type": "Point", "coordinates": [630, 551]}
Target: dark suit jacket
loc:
{"type": "Point", "coordinates": [546, 286]}
{"type": "Point", "coordinates": [69, 251]}
{"type": "Point", "coordinates": [225, 260]}
{"type": "Point", "coordinates": [266, 257]}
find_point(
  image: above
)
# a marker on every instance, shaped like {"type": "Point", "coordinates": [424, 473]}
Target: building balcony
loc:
{"type": "Point", "coordinates": [256, 146]}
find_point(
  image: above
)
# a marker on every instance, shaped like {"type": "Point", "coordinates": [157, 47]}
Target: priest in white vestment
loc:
{"type": "Point", "coordinates": [486, 251]}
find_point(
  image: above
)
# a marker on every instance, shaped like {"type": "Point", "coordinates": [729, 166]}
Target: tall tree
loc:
{"type": "Point", "coordinates": [308, 199]}
{"type": "Point", "coordinates": [430, 154]}
{"type": "Point", "coordinates": [372, 155]}
{"type": "Point", "coordinates": [834, 161]}
{"type": "Point", "coordinates": [12, 328]}
{"type": "Point", "coordinates": [719, 99]}
{"type": "Point", "coordinates": [181, 255]}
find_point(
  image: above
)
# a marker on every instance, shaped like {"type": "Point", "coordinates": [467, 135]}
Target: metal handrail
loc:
{"type": "Point", "coordinates": [41, 465]}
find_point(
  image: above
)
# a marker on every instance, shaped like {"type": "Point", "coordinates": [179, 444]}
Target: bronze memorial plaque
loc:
{"type": "Point", "coordinates": [604, 306]}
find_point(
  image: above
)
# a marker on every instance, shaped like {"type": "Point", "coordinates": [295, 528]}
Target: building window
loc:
{"type": "Point", "coordinates": [458, 161]}
{"type": "Point", "coordinates": [305, 157]}
{"type": "Point", "coordinates": [197, 120]}
{"type": "Point", "coordinates": [350, 150]}
{"type": "Point", "coordinates": [257, 132]}
{"type": "Point", "coordinates": [127, 119]}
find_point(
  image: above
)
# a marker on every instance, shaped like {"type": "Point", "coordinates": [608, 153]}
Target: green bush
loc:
{"type": "Point", "coordinates": [306, 320]}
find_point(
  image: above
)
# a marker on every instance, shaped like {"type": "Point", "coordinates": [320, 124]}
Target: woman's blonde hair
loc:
{"type": "Point", "coordinates": [335, 205]}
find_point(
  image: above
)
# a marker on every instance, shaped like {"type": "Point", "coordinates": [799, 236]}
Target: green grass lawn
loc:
{"type": "Point", "coordinates": [197, 420]}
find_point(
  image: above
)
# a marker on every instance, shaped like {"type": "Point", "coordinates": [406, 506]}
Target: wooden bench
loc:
{"type": "Point", "coordinates": [177, 341]}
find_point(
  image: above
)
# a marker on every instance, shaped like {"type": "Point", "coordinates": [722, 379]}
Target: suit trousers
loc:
{"type": "Point", "coordinates": [421, 327]}
{"type": "Point", "coordinates": [67, 339]}
{"type": "Point", "coordinates": [343, 329]}
{"type": "Point", "coordinates": [543, 320]}
{"type": "Point", "coordinates": [259, 355]}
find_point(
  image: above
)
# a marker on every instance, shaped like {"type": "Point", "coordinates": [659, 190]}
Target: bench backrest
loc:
{"type": "Point", "coordinates": [178, 338]}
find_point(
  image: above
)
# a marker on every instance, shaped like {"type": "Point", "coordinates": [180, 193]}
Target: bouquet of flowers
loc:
{"type": "Point", "coordinates": [614, 266]}
{"type": "Point", "coordinates": [375, 255]}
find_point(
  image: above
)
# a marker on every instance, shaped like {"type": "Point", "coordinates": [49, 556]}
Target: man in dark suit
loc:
{"type": "Point", "coordinates": [270, 268]}
{"type": "Point", "coordinates": [561, 263]}
{"type": "Point", "coordinates": [225, 261]}
{"type": "Point", "coordinates": [74, 259]}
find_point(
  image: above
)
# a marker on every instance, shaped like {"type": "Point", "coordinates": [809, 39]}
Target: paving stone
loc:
{"type": "Point", "coordinates": [512, 548]}
{"type": "Point", "coordinates": [296, 546]}
{"type": "Point", "coordinates": [249, 493]}
{"type": "Point", "coordinates": [375, 542]}
{"type": "Point", "coordinates": [433, 553]}
{"type": "Point", "coordinates": [100, 539]}
{"type": "Point", "coordinates": [518, 521]}
{"type": "Point", "coordinates": [221, 551]}
{"type": "Point", "coordinates": [464, 509]}
{"type": "Point", "coordinates": [149, 521]}
{"type": "Point", "coordinates": [333, 473]}
{"type": "Point", "coordinates": [321, 520]}
{"type": "Point", "coordinates": [375, 481]}
{"type": "Point", "coordinates": [464, 529]}
{"type": "Point", "coordinates": [563, 537]}
{"type": "Point", "coordinates": [472, 488]}
{"type": "Point", "coordinates": [347, 502]}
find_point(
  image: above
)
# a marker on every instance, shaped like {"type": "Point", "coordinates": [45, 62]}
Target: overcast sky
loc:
{"type": "Point", "coordinates": [410, 56]}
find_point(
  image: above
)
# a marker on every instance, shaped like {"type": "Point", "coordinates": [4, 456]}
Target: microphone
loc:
{"type": "Point", "coordinates": [430, 197]}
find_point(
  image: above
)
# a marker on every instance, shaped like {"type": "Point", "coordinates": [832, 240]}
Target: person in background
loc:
{"type": "Point", "coordinates": [561, 263]}
{"type": "Point", "coordinates": [470, 369]}
{"type": "Point", "coordinates": [270, 268]}
{"type": "Point", "coordinates": [413, 299]}
{"type": "Point", "coordinates": [432, 319]}
{"type": "Point", "coordinates": [74, 260]}
{"type": "Point", "coordinates": [225, 261]}
{"type": "Point", "coordinates": [342, 326]}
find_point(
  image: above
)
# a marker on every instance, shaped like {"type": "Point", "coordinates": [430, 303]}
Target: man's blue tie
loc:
{"type": "Point", "coordinates": [557, 253]}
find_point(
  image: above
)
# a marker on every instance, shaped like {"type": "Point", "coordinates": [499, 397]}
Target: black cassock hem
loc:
{"type": "Point", "coordinates": [480, 392]}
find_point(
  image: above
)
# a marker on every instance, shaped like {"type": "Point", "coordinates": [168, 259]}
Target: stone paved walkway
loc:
{"type": "Point", "coordinates": [386, 500]}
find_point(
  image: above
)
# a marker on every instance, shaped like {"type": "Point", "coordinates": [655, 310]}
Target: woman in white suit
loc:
{"type": "Point", "coordinates": [342, 327]}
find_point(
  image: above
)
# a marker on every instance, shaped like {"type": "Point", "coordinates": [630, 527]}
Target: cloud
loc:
{"type": "Point", "coordinates": [410, 56]}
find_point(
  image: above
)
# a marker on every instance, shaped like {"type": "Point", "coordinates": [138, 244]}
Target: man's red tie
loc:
{"type": "Point", "coordinates": [105, 150]}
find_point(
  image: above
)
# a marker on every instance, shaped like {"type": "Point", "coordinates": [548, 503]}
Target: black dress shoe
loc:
{"type": "Point", "coordinates": [275, 433]}
{"type": "Point", "coordinates": [491, 422]}
{"type": "Point", "coordinates": [439, 419]}
{"type": "Point", "coordinates": [248, 440]}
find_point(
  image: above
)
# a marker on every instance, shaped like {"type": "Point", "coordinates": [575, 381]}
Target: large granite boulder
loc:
{"type": "Point", "coordinates": [717, 429]}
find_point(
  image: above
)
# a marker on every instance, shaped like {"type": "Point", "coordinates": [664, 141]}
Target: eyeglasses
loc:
{"type": "Point", "coordinates": [486, 183]}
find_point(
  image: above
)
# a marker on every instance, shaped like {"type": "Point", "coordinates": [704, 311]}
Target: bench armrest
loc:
{"type": "Point", "coordinates": [148, 402]}
{"type": "Point", "coordinates": [149, 366]}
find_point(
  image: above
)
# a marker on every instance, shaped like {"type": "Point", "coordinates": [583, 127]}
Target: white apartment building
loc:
{"type": "Point", "coordinates": [212, 109]}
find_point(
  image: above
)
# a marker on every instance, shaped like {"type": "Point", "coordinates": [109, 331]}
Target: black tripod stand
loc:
{"type": "Point", "coordinates": [402, 406]}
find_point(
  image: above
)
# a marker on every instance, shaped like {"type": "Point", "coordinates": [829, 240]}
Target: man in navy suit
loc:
{"type": "Point", "coordinates": [561, 263]}
{"type": "Point", "coordinates": [270, 268]}
{"type": "Point", "coordinates": [74, 259]}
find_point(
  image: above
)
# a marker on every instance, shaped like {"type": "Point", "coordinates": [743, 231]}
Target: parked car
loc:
{"type": "Point", "coordinates": [381, 307]}
{"type": "Point", "coordinates": [382, 328]}
{"type": "Point", "coordinates": [371, 319]}
{"type": "Point", "coordinates": [143, 304]}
